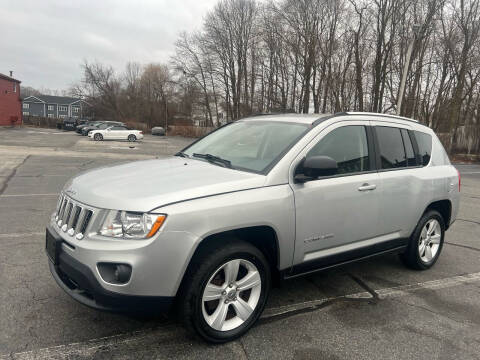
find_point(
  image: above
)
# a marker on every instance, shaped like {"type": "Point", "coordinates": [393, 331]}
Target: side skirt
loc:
{"type": "Point", "coordinates": [332, 261]}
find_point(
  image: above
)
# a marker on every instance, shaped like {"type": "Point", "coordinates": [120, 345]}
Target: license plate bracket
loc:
{"type": "Point", "coordinates": [52, 246]}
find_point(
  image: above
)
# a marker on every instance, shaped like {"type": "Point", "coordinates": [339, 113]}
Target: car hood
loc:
{"type": "Point", "coordinates": [145, 185]}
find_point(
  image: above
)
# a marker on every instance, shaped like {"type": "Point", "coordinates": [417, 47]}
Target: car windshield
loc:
{"type": "Point", "coordinates": [248, 145]}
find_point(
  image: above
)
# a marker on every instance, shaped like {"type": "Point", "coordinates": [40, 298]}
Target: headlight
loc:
{"type": "Point", "coordinates": [131, 225]}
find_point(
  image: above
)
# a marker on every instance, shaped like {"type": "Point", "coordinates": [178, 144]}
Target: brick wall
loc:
{"type": "Point", "coordinates": [10, 104]}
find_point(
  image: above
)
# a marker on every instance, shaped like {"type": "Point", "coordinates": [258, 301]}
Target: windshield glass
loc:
{"type": "Point", "coordinates": [249, 145]}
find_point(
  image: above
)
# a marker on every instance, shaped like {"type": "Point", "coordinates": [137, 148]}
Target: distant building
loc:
{"type": "Point", "coordinates": [10, 103]}
{"type": "Point", "coordinates": [55, 107]}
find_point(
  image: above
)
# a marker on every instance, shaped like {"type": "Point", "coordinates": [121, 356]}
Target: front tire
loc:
{"type": "Point", "coordinates": [98, 137]}
{"type": "Point", "coordinates": [426, 242]}
{"type": "Point", "coordinates": [225, 291]}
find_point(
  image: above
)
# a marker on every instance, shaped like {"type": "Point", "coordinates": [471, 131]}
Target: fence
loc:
{"type": "Point", "coordinates": [189, 130]}
{"type": "Point", "coordinates": [40, 121]}
{"type": "Point", "coordinates": [467, 140]}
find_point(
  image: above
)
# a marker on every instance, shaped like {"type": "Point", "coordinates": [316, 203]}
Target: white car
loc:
{"type": "Point", "coordinates": [116, 133]}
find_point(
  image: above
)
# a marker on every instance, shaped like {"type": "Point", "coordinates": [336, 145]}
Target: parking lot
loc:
{"type": "Point", "coordinates": [374, 309]}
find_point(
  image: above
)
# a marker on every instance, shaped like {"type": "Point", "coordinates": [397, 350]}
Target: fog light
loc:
{"type": "Point", "coordinates": [115, 273]}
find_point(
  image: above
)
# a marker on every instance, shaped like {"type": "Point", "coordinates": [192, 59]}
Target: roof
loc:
{"type": "Point", "coordinates": [8, 78]}
{"type": "Point", "coordinates": [297, 118]}
{"type": "Point", "coordinates": [50, 99]}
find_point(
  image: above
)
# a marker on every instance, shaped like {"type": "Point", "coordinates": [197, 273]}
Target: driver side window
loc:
{"type": "Point", "coordinates": [346, 145]}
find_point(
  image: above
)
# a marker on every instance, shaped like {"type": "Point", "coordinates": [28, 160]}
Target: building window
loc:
{"type": "Point", "coordinates": [62, 116]}
{"type": "Point", "coordinates": [50, 107]}
{"type": "Point", "coordinates": [26, 106]}
{"type": "Point", "coordinates": [14, 87]}
{"type": "Point", "coordinates": [75, 109]}
{"type": "Point", "coordinates": [26, 113]}
{"type": "Point", "coordinates": [63, 108]}
{"type": "Point", "coordinates": [51, 115]}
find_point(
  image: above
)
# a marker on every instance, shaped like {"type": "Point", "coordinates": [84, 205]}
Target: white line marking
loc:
{"type": "Point", "coordinates": [471, 172]}
{"type": "Point", "coordinates": [26, 195]}
{"type": "Point", "coordinates": [89, 347]}
{"type": "Point", "coordinates": [382, 293]}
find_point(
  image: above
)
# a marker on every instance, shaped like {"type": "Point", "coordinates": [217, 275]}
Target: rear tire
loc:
{"type": "Point", "coordinates": [426, 242]}
{"type": "Point", "coordinates": [98, 137]}
{"type": "Point", "coordinates": [218, 302]}
{"type": "Point", "coordinates": [132, 138]}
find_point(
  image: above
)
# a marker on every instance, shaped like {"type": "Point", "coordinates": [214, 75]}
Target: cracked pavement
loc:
{"type": "Point", "coordinates": [375, 309]}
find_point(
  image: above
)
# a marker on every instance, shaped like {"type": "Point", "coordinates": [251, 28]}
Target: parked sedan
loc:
{"type": "Point", "coordinates": [116, 133]}
{"type": "Point", "coordinates": [88, 123]}
{"type": "Point", "coordinates": [101, 125]}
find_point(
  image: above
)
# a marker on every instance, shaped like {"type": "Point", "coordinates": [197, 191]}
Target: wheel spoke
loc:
{"type": "Point", "coordinates": [242, 308]}
{"type": "Point", "coordinates": [217, 319]}
{"type": "Point", "coordinates": [249, 281]}
{"type": "Point", "coordinates": [212, 292]}
{"type": "Point", "coordinates": [231, 271]}
{"type": "Point", "coordinates": [435, 239]}
{"type": "Point", "coordinates": [432, 226]}
{"type": "Point", "coordinates": [428, 253]}
{"type": "Point", "coordinates": [421, 249]}
{"type": "Point", "coordinates": [423, 234]}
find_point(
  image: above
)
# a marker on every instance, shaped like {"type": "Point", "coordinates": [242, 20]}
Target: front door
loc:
{"type": "Point", "coordinates": [337, 215]}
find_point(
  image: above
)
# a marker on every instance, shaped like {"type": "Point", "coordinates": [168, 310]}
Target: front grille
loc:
{"type": "Point", "coordinates": [72, 217]}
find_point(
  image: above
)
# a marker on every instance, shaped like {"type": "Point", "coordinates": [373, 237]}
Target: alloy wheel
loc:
{"type": "Point", "coordinates": [429, 241]}
{"type": "Point", "coordinates": [231, 295]}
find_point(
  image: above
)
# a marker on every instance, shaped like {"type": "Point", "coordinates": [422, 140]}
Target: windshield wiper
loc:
{"type": "Point", "coordinates": [182, 154]}
{"type": "Point", "coordinates": [212, 158]}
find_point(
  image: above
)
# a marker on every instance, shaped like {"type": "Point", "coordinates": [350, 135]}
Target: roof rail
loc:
{"type": "Point", "coordinates": [382, 115]}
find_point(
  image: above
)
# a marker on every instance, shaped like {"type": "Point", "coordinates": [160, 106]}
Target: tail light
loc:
{"type": "Point", "coordinates": [141, 132]}
{"type": "Point", "coordinates": [459, 180]}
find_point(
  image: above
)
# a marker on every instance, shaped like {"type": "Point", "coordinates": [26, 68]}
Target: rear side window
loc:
{"type": "Point", "coordinates": [424, 142]}
{"type": "Point", "coordinates": [348, 146]}
{"type": "Point", "coordinates": [392, 151]}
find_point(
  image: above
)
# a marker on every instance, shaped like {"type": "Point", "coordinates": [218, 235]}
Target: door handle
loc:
{"type": "Point", "coordinates": [367, 187]}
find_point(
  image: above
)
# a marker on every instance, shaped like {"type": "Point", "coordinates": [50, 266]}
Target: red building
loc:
{"type": "Point", "coordinates": [10, 103]}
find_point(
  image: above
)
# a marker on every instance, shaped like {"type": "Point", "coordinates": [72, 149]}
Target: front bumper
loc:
{"type": "Point", "coordinates": [80, 282]}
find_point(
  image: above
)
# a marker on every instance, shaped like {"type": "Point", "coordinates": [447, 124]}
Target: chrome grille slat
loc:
{"type": "Point", "coordinates": [86, 221]}
{"type": "Point", "coordinates": [80, 220]}
{"type": "Point", "coordinates": [62, 208]}
{"type": "Point", "coordinates": [68, 212]}
{"type": "Point", "coordinates": [73, 216]}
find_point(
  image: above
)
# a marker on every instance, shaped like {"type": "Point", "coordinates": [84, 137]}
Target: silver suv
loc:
{"type": "Point", "coordinates": [261, 199]}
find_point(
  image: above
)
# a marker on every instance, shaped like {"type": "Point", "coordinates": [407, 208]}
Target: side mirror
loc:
{"type": "Point", "coordinates": [316, 166]}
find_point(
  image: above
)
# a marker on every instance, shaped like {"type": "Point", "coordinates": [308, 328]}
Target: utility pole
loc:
{"type": "Point", "coordinates": [416, 29]}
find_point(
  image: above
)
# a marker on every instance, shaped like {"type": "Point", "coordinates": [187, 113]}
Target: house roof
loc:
{"type": "Point", "coordinates": [50, 99]}
{"type": "Point", "coordinates": [5, 77]}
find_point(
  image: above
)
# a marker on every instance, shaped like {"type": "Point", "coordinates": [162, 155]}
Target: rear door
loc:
{"type": "Point", "coordinates": [403, 193]}
{"type": "Point", "coordinates": [337, 214]}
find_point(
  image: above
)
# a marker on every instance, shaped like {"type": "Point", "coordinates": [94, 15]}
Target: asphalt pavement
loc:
{"type": "Point", "coordinates": [375, 309]}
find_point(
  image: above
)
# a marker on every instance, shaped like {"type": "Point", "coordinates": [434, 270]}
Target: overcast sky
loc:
{"type": "Point", "coordinates": [44, 42]}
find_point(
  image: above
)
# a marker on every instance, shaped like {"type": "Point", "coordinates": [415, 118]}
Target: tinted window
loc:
{"type": "Point", "coordinates": [392, 152]}
{"type": "Point", "coordinates": [424, 142]}
{"type": "Point", "coordinates": [118, 128]}
{"type": "Point", "coordinates": [346, 145]}
{"type": "Point", "coordinates": [411, 160]}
